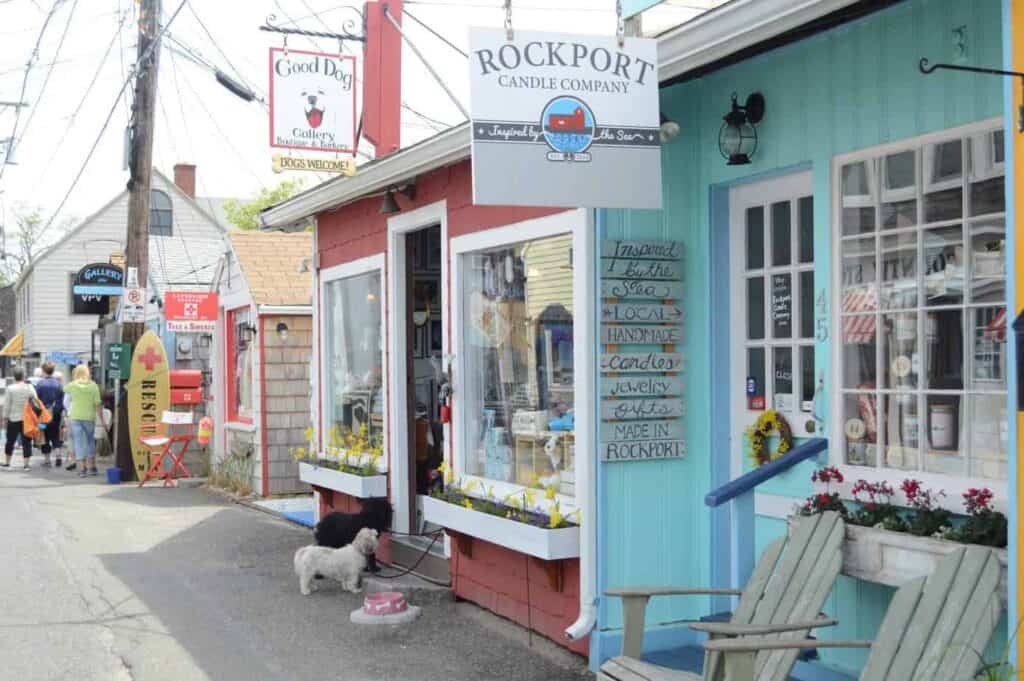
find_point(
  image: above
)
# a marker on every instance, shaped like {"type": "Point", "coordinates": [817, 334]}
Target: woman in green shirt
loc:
{"type": "Point", "coordinates": [86, 410]}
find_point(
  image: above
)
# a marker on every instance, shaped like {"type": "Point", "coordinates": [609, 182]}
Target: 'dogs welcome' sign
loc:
{"type": "Point", "coordinates": [149, 396]}
{"type": "Point", "coordinates": [564, 120]}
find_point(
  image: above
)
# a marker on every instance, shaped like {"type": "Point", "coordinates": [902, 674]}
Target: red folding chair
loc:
{"type": "Point", "coordinates": [162, 447]}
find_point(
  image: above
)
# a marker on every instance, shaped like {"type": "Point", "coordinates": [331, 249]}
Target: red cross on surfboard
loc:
{"type": "Point", "coordinates": [149, 358]}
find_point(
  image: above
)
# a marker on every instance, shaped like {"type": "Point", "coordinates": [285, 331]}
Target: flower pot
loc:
{"type": "Point", "coordinates": [361, 486]}
{"type": "Point", "coordinates": [894, 558]}
{"type": "Point", "coordinates": [540, 542]}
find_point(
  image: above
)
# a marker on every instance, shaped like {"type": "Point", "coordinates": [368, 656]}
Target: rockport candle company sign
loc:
{"type": "Point", "coordinates": [574, 119]}
{"type": "Point", "coordinates": [641, 390]}
{"type": "Point", "coordinates": [312, 101]}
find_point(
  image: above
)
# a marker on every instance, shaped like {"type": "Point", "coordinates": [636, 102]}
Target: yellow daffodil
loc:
{"type": "Point", "coordinates": [549, 493]}
{"type": "Point", "coordinates": [529, 497]}
{"type": "Point", "coordinates": [449, 475]}
{"type": "Point", "coordinates": [471, 485]}
{"type": "Point", "coordinates": [309, 434]}
{"type": "Point", "coordinates": [468, 504]}
{"type": "Point", "coordinates": [556, 519]}
{"type": "Point", "coordinates": [443, 467]}
{"type": "Point", "coordinates": [534, 480]}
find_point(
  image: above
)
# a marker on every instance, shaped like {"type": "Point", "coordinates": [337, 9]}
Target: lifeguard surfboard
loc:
{"type": "Point", "coordinates": [148, 395]}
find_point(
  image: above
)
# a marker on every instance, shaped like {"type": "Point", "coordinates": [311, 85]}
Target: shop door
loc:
{"type": "Point", "coordinates": [772, 301]}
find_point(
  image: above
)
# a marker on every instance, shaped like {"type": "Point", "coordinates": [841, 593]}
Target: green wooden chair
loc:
{"type": "Point", "coordinates": [784, 596]}
{"type": "Point", "coordinates": [936, 629]}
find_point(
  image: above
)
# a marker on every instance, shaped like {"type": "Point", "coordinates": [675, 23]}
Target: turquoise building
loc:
{"type": "Point", "coordinates": [853, 276]}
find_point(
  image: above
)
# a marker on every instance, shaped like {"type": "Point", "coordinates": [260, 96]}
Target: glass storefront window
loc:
{"type": "Point", "coordinates": [925, 339]}
{"type": "Point", "coordinates": [241, 337]}
{"type": "Point", "coordinates": [353, 357]}
{"type": "Point", "coordinates": [519, 384]}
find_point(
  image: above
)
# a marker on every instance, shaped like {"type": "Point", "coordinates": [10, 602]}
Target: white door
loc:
{"type": "Point", "coordinates": [771, 263]}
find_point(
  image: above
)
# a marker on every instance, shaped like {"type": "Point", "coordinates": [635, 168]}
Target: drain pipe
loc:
{"type": "Point", "coordinates": [584, 279]}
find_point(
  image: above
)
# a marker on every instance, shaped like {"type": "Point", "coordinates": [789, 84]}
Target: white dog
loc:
{"type": "Point", "coordinates": [344, 564]}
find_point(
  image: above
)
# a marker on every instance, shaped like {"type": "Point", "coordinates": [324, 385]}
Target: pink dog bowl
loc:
{"type": "Point", "coordinates": [384, 603]}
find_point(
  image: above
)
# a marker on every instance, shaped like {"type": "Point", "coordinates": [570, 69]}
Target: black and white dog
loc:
{"type": "Point", "coordinates": [338, 529]}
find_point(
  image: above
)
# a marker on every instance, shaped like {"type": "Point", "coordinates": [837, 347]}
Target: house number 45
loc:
{"type": "Point", "coordinates": [821, 319]}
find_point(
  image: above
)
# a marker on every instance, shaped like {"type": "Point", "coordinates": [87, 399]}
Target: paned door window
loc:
{"type": "Point", "coordinates": [921, 303]}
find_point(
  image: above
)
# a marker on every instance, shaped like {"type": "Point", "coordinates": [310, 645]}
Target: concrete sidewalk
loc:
{"type": "Point", "coordinates": [154, 584]}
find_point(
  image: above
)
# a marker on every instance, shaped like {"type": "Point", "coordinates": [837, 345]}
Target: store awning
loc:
{"type": "Point", "coordinates": [14, 346]}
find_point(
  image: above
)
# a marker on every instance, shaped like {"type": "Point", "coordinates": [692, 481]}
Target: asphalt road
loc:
{"type": "Point", "coordinates": [118, 584]}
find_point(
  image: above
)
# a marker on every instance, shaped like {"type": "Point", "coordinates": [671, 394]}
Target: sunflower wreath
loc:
{"type": "Point", "coordinates": [769, 423]}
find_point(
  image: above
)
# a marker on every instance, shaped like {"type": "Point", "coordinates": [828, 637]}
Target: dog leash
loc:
{"type": "Point", "coordinates": [405, 571]}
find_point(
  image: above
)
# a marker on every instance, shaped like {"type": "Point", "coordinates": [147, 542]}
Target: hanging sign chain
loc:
{"type": "Point", "coordinates": [286, 46]}
{"type": "Point", "coordinates": [620, 24]}
{"type": "Point", "coordinates": [509, 34]}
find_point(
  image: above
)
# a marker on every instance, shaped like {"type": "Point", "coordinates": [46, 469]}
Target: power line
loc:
{"type": "Point", "coordinates": [24, 83]}
{"type": "Point", "coordinates": [49, 71]}
{"type": "Point", "coordinates": [216, 46]}
{"type": "Point", "coordinates": [435, 33]}
{"type": "Point", "coordinates": [85, 95]}
{"type": "Point", "coordinates": [81, 170]}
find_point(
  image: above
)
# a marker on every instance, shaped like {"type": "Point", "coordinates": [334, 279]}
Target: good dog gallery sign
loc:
{"type": "Point", "coordinates": [312, 101]}
{"type": "Point", "coordinates": [564, 120]}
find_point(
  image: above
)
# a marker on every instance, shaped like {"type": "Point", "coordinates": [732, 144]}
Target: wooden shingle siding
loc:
{"type": "Point", "coordinates": [286, 375]}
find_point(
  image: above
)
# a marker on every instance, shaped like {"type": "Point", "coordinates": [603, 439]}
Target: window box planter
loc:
{"type": "Point", "coordinates": [361, 486]}
{"type": "Point", "coordinates": [539, 542]}
{"type": "Point", "coordinates": [894, 558]}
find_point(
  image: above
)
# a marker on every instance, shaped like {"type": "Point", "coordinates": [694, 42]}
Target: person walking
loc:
{"type": "Point", "coordinates": [51, 394]}
{"type": "Point", "coordinates": [15, 397]}
{"type": "Point", "coordinates": [67, 436]}
{"type": "Point", "coordinates": [86, 410]}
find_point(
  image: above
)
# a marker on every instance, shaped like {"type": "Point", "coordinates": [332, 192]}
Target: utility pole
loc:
{"type": "Point", "coordinates": [139, 183]}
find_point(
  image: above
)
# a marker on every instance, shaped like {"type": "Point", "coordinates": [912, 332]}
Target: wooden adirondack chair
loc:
{"type": "Point", "coordinates": [783, 596]}
{"type": "Point", "coordinates": [936, 629]}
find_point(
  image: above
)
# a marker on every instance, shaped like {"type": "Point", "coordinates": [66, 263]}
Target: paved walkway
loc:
{"type": "Point", "coordinates": [118, 584]}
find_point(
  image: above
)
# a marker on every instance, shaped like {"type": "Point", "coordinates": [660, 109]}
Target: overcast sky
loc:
{"type": "Point", "coordinates": [198, 121]}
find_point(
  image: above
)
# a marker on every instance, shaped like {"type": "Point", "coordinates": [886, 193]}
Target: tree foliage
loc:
{"type": "Point", "coordinates": [245, 214]}
{"type": "Point", "coordinates": [23, 244]}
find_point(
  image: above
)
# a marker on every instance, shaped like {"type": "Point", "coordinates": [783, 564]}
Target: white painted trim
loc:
{"type": "Point", "coordinates": [233, 301]}
{"type": "Point", "coordinates": [241, 427]}
{"type": "Point", "coordinates": [284, 310]}
{"type": "Point", "coordinates": [397, 374]}
{"type": "Point", "coordinates": [774, 505]}
{"type": "Point", "coordinates": [354, 268]}
{"type": "Point", "coordinates": [578, 223]}
{"type": "Point", "coordinates": [953, 485]}
{"type": "Point", "coordinates": [761, 193]}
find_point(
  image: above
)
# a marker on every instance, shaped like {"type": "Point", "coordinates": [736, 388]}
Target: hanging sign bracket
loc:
{"type": "Point", "coordinates": [926, 69]}
{"type": "Point", "coordinates": [348, 27]}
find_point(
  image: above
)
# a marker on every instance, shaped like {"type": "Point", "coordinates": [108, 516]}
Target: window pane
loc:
{"type": "Point", "coordinates": [782, 363]}
{"type": "Point", "coordinates": [755, 238]}
{"type": "Point", "coordinates": [858, 278]}
{"type": "Point", "coordinates": [858, 188]}
{"type": "Point", "coordinates": [353, 358]}
{"type": "Point", "coordinates": [988, 196]}
{"type": "Point", "coordinates": [807, 385]}
{"type": "Point", "coordinates": [782, 305]}
{"type": "Point", "coordinates": [781, 234]}
{"type": "Point", "coordinates": [899, 190]}
{"type": "Point", "coordinates": [755, 369]}
{"type": "Point", "coordinates": [944, 205]}
{"type": "Point", "coordinates": [988, 436]}
{"type": "Point", "coordinates": [943, 435]}
{"type": "Point", "coordinates": [807, 304]}
{"type": "Point", "coordinates": [988, 360]}
{"type": "Point", "coordinates": [518, 356]}
{"type": "Point", "coordinates": [859, 351]}
{"type": "Point", "coordinates": [806, 208]}
{"type": "Point", "coordinates": [988, 261]}
{"type": "Point", "coordinates": [944, 265]}
{"type": "Point", "coordinates": [860, 429]}
{"type": "Point", "coordinates": [987, 184]}
{"type": "Point", "coordinates": [901, 359]}
{"type": "Point", "coordinates": [944, 349]}
{"type": "Point", "coordinates": [902, 435]}
{"type": "Point", "coordinates": [899, 271]}
{"type": "Point", "coordinates": [755, 308]}
{"type": "Point", "coordinates": [241, 366]}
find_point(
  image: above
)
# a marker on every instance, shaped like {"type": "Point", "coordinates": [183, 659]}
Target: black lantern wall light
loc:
{"type": "Point", "coordinates": [737, 140]}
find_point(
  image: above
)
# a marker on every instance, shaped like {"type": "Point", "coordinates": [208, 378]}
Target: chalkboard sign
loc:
{"type": "Point", "coordinates": [782, 305]}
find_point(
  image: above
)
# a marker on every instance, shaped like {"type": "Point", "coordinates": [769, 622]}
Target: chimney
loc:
{"type": "Point", "coordinates": [185, 178]}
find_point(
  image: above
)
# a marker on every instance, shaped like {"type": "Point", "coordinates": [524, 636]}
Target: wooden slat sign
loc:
{"type": "Point", "coordinates": [643, 450]}
{"type": "Point", "coordinates": [638, 313]}
{"type": "Point", "coordinates": [631, 431]}
{"type": "Point", "coordinates": [641, 335]}
{"type": "Point", "coordinates": [641, 362]}
{"type": "Point", "coordinates": [635, 289]}
{"type": "Point", "coordinates": [662, 270]}
{"type": "Point", "coordinates": [641, 386]}
{"type": "Point", "coordinates": [641, 409]}
{"type": "Point", "coordinates": [651, 250]}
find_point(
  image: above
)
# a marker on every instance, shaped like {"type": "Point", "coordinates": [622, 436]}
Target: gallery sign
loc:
{"type": "Point", "coordinates": [92, 287]}
{"type": "Point", "coordinates": [312, 101]}
{"type": "Point", "coordinates": [573, 119]}
{"type": "Point", "coordinates": [190, 311]}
